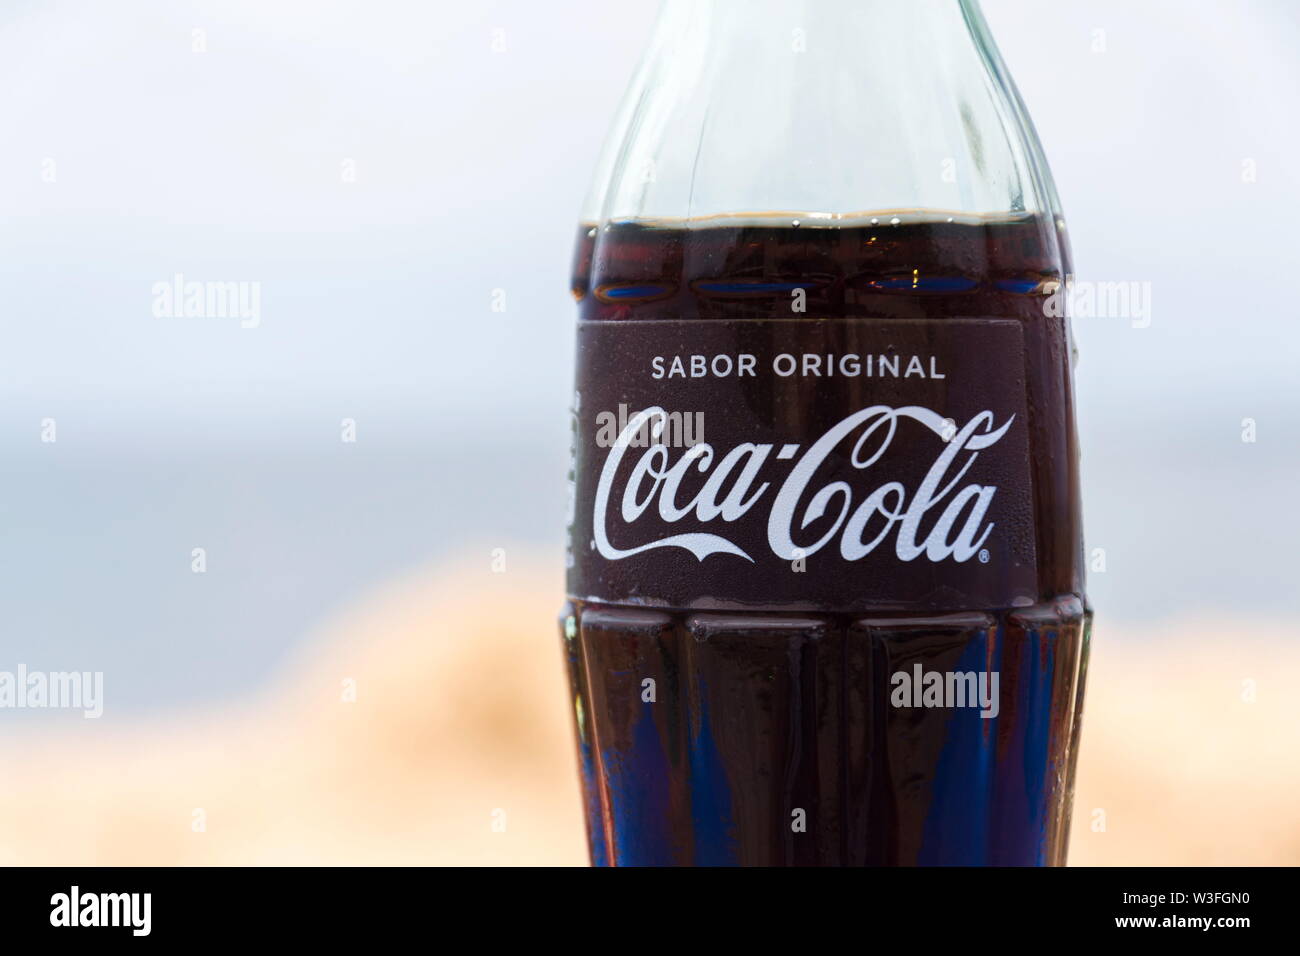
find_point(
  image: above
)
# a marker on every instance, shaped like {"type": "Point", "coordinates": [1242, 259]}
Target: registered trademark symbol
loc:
{"type": "Point", "coordinates": [984, 556]}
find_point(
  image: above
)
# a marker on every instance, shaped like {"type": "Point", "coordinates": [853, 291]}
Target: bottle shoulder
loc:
{"type": "Point", "coordinates": [887, 262]}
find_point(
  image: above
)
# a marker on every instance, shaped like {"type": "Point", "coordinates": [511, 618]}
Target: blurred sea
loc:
{"type": "Point", "coordinates": [99, 536]}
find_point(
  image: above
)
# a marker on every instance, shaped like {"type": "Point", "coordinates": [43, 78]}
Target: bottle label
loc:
{"type": "Point", "coordinates": [806, 464]}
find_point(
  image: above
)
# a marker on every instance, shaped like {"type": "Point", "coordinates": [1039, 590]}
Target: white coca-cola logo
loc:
{"type": "Point", "coordinates": [861, 524]}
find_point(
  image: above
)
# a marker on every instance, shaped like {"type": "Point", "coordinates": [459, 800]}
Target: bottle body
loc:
{"type": "Point", "coordinates": [825, 590]}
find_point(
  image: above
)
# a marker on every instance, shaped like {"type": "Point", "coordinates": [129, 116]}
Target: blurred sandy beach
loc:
{"type": "Point", "coordinates": [429, 725]}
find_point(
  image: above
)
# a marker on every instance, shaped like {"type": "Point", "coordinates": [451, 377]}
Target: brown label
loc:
{"type": "Point", "coordinates": [809, 464]}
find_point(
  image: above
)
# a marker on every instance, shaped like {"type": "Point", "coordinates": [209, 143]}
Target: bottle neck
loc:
{"type": "Point", "coordinates": [878, 23]}
{"type": "Point", "coordinates": [827, 107]}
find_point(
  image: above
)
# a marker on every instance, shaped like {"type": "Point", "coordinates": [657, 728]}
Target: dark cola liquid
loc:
{"type": "Point", "coordinates": [770, 736]}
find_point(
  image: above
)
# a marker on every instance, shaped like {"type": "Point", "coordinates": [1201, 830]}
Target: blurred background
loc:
{"type": "Point", "coordinates": [373, 467]}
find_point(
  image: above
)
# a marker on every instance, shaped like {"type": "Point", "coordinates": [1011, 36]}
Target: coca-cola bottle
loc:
{"type": "Point", "coordinates": [825, 580]}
